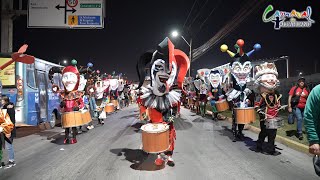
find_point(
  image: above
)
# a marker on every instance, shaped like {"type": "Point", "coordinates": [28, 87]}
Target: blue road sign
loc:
{"type": "Point", "coordinates": [89, 20]}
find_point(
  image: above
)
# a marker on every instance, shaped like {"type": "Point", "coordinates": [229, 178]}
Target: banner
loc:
{"type": "Point", "coordinates": [8, 75]}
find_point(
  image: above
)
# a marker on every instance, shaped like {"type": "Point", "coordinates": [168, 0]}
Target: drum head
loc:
{"type": "Point", "coordinates": [154, 128]}
{"type": "Point", "coordinates": [246, 108]}
{"type": "Point", "coordinates": [110, 104]}
{"type": "Point", "coordinates": [221, 101]}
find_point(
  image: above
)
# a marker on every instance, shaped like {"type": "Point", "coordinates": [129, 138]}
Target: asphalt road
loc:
{"type": "Point", "coordinates": [204, 150]}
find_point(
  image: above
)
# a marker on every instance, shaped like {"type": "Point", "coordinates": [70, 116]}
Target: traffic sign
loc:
{"type": "Point", "coordinates": [72, 3]}
{"type": "Point", "coordinates": [66, 14]}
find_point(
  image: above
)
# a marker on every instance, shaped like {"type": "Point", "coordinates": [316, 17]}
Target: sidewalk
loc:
{"type": "Point", "coordinates": [281, 135]}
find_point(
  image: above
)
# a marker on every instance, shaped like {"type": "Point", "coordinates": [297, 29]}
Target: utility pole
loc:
{"type": "Point", "coordinates": [7, 15]}
{"type": "Point", "coordinates": [6, 26]}
{"type": "Point", "coordinates": [190, 56]}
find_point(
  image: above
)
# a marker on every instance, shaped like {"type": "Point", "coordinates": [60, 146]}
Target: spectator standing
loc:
{"type": "Point", "coordinates": [11, 112]}
{"type": "Point", "coordinates": [296, 103]}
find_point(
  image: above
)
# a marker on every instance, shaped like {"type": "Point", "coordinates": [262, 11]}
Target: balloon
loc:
{"type": "Point", "coordinates": [240, 42]}
{"type": "Point", "coordinates": [257, 47]}
{"type": "Point", "coordinates": [223, 48]}
{"type": "Point", "coordinates": [89, 64]}
{"type": "Point", "coordinates": [74, 62]}
{"type": "Point", "coordinates": [98, 71]}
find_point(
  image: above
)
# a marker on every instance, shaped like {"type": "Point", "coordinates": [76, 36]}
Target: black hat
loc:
{"type": "Point", "coordinates": [301, 79]}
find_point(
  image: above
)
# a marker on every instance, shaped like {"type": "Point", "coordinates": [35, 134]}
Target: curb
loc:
{"type": "Point", "coordinates": [285, 141]}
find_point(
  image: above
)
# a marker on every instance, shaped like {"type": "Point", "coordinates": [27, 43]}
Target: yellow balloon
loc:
{"type": "Point", "coordinates": [223, 48]}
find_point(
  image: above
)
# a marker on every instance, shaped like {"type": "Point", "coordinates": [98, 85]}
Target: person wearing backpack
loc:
{"type": "Point", "coordinates": [296, 103]}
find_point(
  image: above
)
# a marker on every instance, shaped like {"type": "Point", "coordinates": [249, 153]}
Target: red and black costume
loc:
{"type": "Point", "coordinates": [267, 81]}
{"type": "Point", "coordinates": [158, 98]}
{"type": "Point", "coordinates": [71, 97]}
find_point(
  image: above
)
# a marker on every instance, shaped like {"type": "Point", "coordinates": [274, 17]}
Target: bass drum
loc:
{"type": "Point", "coordinates": [155, 137]}
{"type": "Point", "coordinates": [72, 119]}
{"type": "Point", "coordinates": [109, 108]}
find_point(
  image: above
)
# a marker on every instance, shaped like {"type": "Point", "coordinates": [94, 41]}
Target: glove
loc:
{"type": "Point", "coordinates": [247, 91]}
{"type": "Point", "coordinates": [1, 129]}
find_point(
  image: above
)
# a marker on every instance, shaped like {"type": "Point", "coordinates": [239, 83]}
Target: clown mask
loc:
{"type": "Point", "coordinates": [99, 90]}
{"type": "Point", "coordinates": [269, 81]}
{"type": "Point", "coordinates": [162, 79]}
{"type": "Point", "coordinates": [203, 89]}
{"type": "Point", "coordinates": [69, 80]}
{"type": "Point", "coordinates": [215, 79]}
{"type": "Point", "coordinates": [105, 83]}
{"type": "Point", "coordinates": [241, 72]}
{"type": "Point", "coordinates": [82, 83]}
{"type": "Point", "coordinates": [114, 84]}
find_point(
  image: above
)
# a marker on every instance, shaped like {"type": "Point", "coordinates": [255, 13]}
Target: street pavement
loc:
{"type": "Point", "coordinates": [204, 150]}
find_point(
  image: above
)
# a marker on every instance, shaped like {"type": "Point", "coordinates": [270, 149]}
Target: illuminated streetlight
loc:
{"type": "Point", "coordinates": [174, 33]}
{"type": "Point", "coordinates": [63, 62]}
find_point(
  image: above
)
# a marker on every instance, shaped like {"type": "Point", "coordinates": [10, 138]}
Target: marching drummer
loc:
{"type": "Point", "coordinates": [266, 79]}
{"type": "Point", "coordinates": [216, 92]}
{"type": "Point", "coordinates": [158, 97]}
{"type": "Point", "coordinates": [71, 98]}
{"type": "Point", "coordinates": [239, 96]}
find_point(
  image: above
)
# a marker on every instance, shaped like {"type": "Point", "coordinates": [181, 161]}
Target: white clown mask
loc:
{"type": "Point", "coordinates": [114, 84]}
{"type": "Point", "coordinates": [99, 89]}
{"type": "Point", "coordinates": [215, 79]}
{"type": "Point", "coordinates": [241, 72]}
{"type": "Point", "coordinates": [269, 81]}
{"type": "Point", "coordinates": [162, 79]}
{"type": "Point", "coordinates": [69, 80]}
{"type": "Point", "coordinates": [82, 83]}
{"type": "Point", "coordinates": [105, 83]}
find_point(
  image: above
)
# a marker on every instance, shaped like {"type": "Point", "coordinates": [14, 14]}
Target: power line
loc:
{"type": "Point", "coordinates": [194, 19]}
{"type": "Point", "coordinates": [194, 3]}
{"type": "Point", "coordinates": [230, 26]}
{"type": "Point", "coordinates": [209, 15]}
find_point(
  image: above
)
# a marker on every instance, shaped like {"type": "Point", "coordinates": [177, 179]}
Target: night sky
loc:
{"type": "Point", "coordinates": [132, 27]}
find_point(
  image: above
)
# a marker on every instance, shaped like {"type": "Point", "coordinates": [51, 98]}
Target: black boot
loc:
{"type": "Point", "coordinates": [300, 136]}
{"type": "Point", "coordinates": [234, 132]}
{"type": "Point", "coordinates": [259, 146]}
{"type": "Point", "coordinates": [240, 135]}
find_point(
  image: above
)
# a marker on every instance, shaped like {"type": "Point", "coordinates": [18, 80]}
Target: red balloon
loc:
{"type": "Point", "coordinates": [240, 42]}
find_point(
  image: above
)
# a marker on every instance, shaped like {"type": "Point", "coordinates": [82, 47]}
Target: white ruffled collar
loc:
{"type": "Point", "coordinates": [164, 102]}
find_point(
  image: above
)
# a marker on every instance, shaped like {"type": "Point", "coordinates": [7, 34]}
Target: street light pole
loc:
{"type": "Point", "coordinates": [175, 34]}
{"type": "Point", "coordinates": [190, 56]}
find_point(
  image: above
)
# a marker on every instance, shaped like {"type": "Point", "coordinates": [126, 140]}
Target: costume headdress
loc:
{"type": "Point", "coordinates": [169, 54]}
